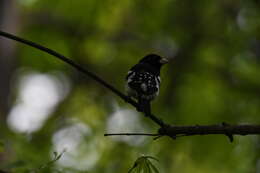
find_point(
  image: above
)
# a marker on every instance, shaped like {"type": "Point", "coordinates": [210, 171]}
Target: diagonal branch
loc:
{"type": "Point", "coordinates": [165, 129]}
{"type": "Point", "coordinates": [70, 62]}
{"type": "Point", "coordinates": [81, 69]}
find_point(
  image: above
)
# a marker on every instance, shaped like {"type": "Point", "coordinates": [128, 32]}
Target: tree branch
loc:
{"type": "Point", "coordinates": [81, 69]}
{"type": "Point", "coordinates": [70, 62]}
{"type": "Point", "coordinates": [211, 129]}
{"type": "Point", "coordinates": [131, 134]}
{"type": "Point", "coordinates": [224, 129]}
{"type": "Point", "coordinates": [165, 130]}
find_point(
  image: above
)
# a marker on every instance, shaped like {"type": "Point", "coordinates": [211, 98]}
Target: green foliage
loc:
{"type": "Point", "coordinates": [49, 164]}
{"type": "Point", "coordinates": [213, 77]}
{"type": "Point", "coordinates": [144, 165]}
{"type": "Point", "coordinates": [22, 166]}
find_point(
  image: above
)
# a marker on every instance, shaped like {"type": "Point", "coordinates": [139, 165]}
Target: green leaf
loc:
{"type": "Point", "coordinates": [144, 165]}
{"type": "Point", "coordinates": [147, 165]}
{"type": "Point", "coordinates": [153, 167]}
{"type": "Point", "coordinates": [130, 170]}
{"type": "Point", "coordinates": [138, 169]}
{"type": "Point", "coordinates": [55, 153]}
{"type": "Point", "coordinates": [150, 157]}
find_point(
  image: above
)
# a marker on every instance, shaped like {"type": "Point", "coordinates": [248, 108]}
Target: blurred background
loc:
{"type": "Point", "coordinates": [46, 106]}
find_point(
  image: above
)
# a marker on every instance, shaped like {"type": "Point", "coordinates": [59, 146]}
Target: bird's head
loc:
{"type": "Point", "coordinates": [154, 60]}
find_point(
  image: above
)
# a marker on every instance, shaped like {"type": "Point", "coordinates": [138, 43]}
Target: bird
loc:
{"type": "Point", "coordinates": [143, 81]}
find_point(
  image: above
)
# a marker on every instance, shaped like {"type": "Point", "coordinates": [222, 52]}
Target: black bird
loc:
{"type": "Point", "coordinates": [143, 81]}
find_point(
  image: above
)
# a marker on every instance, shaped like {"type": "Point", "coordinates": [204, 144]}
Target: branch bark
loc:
{"type": "Point", "coordinates": [165, 129]}
{"type": "Point", "coordinates": [211, 129]}
{"type": "Point", "coordinates": [221, 129]}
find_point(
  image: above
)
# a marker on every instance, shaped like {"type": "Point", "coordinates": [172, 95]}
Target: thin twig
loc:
{"type": "Point", "coordinates": [131, 134]}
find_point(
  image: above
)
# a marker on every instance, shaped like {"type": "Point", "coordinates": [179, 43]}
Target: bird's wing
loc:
{"type": "Point", "coordinates": [143, 81]}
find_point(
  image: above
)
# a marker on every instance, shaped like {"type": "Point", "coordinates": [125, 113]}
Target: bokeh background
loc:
{"type": "Point", "coordinates": [46, 106]}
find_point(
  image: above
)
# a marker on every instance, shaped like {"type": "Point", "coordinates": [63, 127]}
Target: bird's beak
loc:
{"type": "Point", "coordinates": [164, 61]}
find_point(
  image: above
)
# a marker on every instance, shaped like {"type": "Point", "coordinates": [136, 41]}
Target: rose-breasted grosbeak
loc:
{"type": "Point", "coordinates": [143, 81]}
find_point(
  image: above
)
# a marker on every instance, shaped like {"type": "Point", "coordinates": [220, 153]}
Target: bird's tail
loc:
{"type": "Point", "coordinates": [144, 106]}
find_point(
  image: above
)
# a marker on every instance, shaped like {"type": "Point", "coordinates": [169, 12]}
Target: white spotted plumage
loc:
{"type": "Point", "coordinates": [147, 82]}
{"type": "Point", "coordinates": [143, 81]}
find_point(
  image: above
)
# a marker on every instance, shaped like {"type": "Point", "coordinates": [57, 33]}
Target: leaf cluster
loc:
{"type": "Point", "coordinates": [143, 164]}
